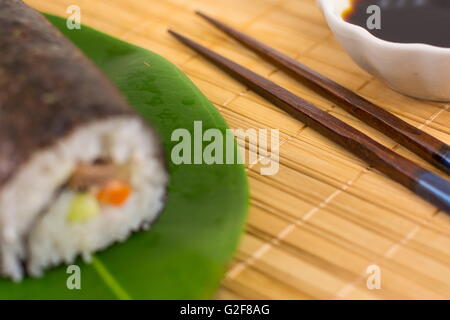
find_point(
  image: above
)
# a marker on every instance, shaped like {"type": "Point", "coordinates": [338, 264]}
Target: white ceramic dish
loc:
{"type": "Point", "coordinates": [417, 70]}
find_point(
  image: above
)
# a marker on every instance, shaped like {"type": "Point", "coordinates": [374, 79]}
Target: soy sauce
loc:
{"type": "Point", "coordinates": [405, 21]}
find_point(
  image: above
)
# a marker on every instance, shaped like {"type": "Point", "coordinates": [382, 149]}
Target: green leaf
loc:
{"type": "Point", "coordinates": [184, 255]}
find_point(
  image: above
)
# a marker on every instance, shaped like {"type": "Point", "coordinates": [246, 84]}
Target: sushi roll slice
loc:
{"type": "Point", "coordinates": [79, 170]}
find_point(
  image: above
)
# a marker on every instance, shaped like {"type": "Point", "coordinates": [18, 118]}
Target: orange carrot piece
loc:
{"type": "Point", "coordinates": [115, 193]}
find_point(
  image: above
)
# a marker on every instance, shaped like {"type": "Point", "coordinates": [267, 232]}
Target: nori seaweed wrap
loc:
{"type": "Point", "coordinates": [79, 170]}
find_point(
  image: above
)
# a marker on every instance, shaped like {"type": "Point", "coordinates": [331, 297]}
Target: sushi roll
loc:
{"type": "Point", "coordinates": [79, 170]}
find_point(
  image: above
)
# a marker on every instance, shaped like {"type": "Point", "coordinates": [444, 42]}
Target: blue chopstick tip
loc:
{"type": "Point", "coordinates": [446, 159]}
{"type": "Point", "coordinates": [435, 189]}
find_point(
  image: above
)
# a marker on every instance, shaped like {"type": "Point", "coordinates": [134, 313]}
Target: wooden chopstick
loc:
{"type": "Point", "coordinates": [428, 147]}
{"type": "Point", "coordinates": [426, 184]}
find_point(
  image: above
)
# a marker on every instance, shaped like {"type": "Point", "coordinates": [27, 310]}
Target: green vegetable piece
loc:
{"type": "Point", "coordinates": [83, 207]}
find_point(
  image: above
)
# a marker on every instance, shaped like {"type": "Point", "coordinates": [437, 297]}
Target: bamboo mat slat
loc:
{"type": "Point", "coordinates": [316, 226]}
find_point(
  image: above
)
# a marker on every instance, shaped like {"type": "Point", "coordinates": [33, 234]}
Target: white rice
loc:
{"type": "Point", "coordinates": [45, 239]}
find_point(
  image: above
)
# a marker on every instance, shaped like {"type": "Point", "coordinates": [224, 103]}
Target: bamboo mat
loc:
{"type": "Point", "coordinates": [316, 226]}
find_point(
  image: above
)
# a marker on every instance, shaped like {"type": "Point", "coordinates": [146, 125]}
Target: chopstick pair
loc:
{"type": "Point", "coordinates": [424, 183]}
{"type": "Point", "coordinates": [426, 146]}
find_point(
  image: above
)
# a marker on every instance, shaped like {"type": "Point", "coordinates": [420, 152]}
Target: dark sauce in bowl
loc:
{"type": "Point", "coordinates": [405, 21]}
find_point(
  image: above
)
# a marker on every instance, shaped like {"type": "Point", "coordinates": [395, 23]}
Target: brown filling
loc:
{"type": "Point", "coordinates": [91, 175]}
